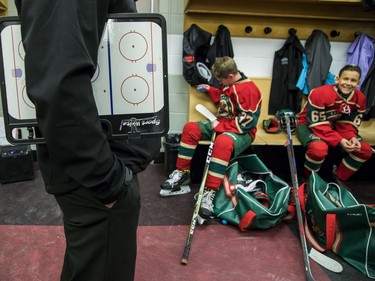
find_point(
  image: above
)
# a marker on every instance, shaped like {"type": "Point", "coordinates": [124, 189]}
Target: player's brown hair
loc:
{"type": "Point", "coordinates": [223, 67]}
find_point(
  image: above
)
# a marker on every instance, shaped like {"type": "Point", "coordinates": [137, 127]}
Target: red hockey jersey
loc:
{"type": "Point", "coordinates": [238, 107]}
{"type": "Point", "coordinates": [332, 116]}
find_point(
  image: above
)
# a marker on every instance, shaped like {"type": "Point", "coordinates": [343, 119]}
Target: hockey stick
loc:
{"type": "Point", "coordinates": [318, 257]}
{"type": "Point", "coordinates": [185, 256]}
{"type": "Point", "coordinates": [293, 173]}
{"type": "Point", "coordinates": [205, 112]}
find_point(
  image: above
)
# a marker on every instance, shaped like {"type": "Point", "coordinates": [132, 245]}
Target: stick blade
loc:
{"type": "Point", "coordinates": [325, 261]}
{"type": "Point", "coordinates": [205, 112]}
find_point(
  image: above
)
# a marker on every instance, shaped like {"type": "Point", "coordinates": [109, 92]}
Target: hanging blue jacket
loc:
{"type": "Point", "coordinates": [302, 80]}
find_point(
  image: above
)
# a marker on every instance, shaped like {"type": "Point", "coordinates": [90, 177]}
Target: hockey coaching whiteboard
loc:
{"type": "Point", "coordinates": [130, 84]}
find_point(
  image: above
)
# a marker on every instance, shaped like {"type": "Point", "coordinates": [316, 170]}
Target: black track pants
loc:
{"type": "Point", "coordinates": [100, 242]}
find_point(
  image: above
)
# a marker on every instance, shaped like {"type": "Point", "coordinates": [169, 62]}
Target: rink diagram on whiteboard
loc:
{"type": "Point", "coordinates": [129, 74]}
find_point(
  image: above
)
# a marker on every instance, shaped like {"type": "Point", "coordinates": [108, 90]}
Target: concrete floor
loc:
{"type": "Point", "coordinates": [32, 239]}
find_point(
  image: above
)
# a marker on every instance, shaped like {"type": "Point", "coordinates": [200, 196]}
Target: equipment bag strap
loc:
{"type": "Point", "coordinates": [330, 223]}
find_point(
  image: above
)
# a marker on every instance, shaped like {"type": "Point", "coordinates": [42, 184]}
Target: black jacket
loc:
{"type": "Point", "coordinates": [287, 66]}
{"type": "Point", "coordinates": [221, 47]}
{"type": "Point", "coordinates": [319, 58]}
{"type": "Point", "coordinates": [368, 88]}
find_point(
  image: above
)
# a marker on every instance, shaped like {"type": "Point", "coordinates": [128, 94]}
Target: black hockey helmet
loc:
{"type": "Point", "coordinates": [281, 114]}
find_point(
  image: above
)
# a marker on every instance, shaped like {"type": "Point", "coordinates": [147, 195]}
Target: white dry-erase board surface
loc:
{"type": "Point", "coordinates": [130, 84]}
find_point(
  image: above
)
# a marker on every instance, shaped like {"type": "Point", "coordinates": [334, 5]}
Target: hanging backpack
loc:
{"type": "Point", "coordinates": [199, 54]}
{"type": "Point", "coordinates": [196, 43]}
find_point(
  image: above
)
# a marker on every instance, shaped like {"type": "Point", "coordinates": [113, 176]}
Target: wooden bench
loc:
{"type": "Point", "coordinates": [367, 128]}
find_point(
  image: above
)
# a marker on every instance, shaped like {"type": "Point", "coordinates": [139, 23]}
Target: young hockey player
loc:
{"type": "Point", "coordinates": [331, 117]}
{"type": "Point", "coordinates": [238, 103]}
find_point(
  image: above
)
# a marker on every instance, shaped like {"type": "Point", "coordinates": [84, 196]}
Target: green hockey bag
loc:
{"type": "Point", "coordinates": [337, 222]}
{"type": "Point", "coordinates": [251, 196]}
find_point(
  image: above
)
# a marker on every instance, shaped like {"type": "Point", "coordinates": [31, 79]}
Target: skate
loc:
{"type": "Point", "coordinates": [200, 220]}
{"type": "Point", "coordinates": [207, 205]}
{"type": "Point", "coordinates": [177, 184]}
{"type": "Point", "coordinates": [245, 181]}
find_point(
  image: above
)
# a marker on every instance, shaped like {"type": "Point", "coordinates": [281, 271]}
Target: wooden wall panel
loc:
{"type": "Point", "coordinates": [341, 20]}
{"type": "Point", "coordinates": [3, 7]}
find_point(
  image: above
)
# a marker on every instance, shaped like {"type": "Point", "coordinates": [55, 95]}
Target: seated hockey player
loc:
{"type": "Point", "coordinates": [238, 103]}
{"type": "Point", "coordinates": [331, 118]}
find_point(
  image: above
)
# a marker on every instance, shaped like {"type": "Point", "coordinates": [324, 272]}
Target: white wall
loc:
{"type": "Point", "coordinates": [11, 8]}
{"type": "Point", "coordinates": [253, 56]}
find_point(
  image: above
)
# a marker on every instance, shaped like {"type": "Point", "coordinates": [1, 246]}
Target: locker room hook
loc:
{"type": "Point", "coordinates": [267, 30]}
{"type": "Point", "coordinates": [335, 33]}
{"type": "Point", "coordinates": [248, 29]}
{"type": "Point", "coordinates": [292, 31]}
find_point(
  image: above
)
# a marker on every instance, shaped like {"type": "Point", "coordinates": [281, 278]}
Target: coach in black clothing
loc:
{"type": "Point", "coordinates": [93, 179]}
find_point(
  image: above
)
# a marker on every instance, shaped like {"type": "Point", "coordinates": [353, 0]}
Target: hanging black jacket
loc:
{"type": "Point", "coordinates": [368, 88]}
{"type": "Point", "coordinates": [221, 47]}
{"type": "Point", "coordinates": [368, 5]}
{"type": "Point", "coordinates": [319, 58]}
{"type": "Point", "coordinates": [287, 66]}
